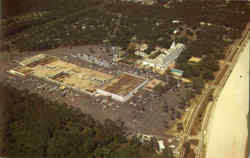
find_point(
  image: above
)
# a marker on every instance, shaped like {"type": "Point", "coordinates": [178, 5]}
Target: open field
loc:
{"type": "Point", "coordinates": [227, 130]}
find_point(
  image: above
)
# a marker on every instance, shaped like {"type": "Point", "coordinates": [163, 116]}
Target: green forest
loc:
{"type": "Point", "coordinates": [93, 21]}
{"type": "Point", "coordinates": [35, 127]}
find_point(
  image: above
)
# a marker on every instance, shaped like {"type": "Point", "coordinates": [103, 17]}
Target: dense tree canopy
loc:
{"type": "Point", "coordinates": [119, 21]}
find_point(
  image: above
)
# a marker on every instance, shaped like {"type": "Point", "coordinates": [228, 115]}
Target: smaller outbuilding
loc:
{"type": "Point", "coordinates": [194, 60]}
{"type": "Point", "coordinates": [153, 83]}
{"type": "Point", "coordinates": [161, 145]}
{"type": "Point", "coordinates": [176, 72]}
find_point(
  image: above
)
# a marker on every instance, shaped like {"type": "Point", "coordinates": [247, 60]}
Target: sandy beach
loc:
{"type": "Point", "coordinates": [227, 129]}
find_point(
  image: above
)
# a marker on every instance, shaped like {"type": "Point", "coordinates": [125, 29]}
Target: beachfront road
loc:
{"type": "Point", "coordinates": [227, 129]}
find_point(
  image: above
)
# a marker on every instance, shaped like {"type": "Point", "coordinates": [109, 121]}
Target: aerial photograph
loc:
{"type": "Point", "coordinates": [124, 78]}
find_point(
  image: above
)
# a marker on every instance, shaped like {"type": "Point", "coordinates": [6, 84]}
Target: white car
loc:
{"type": "Point", "coordinates": [172, 146]}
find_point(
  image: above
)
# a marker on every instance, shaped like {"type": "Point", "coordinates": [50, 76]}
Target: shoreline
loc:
{"type": "Point", "coordinates": [223, 136]}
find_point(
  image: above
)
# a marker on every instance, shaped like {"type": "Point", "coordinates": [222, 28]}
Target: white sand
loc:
{"type": "Point", "coordinates": [227, 129]}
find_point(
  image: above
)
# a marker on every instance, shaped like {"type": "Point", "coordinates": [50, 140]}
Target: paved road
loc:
{"type": "Point", "coordinates": [205, 121]}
